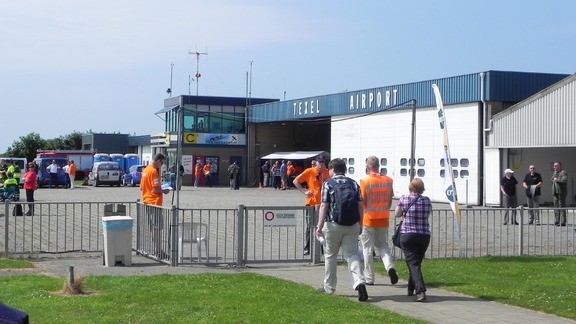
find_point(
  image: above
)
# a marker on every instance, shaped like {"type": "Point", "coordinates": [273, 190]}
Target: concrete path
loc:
{"type": "Point", "coordinates": [441, 307]}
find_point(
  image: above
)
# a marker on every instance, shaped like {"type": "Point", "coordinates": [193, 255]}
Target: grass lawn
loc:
{"type": "Point", "coordinates": [544, 284]}
{"type": "Point", "coordinates": [540, 283]}
{"type": "Point", "coordinates": [204, 298]}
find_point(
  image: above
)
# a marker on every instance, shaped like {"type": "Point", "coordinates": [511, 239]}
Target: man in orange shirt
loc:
{"type": "Point", "coordinates": [197, 174]}
{"type": "Point", "coordinates": [151, 187]}
{"type": "Point", "coordinates": [290, 174]}
{"type": "Point", "coordinates": [72, 173]}
{"type": "Point", "coordinates": [377, 193]}
{"type": "Point", "coordinates": [314, 177]}
{"type": "Point", "coordinates": [207, 169]}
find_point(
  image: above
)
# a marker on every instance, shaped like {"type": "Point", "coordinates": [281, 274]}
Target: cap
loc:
{"type": "Point", "coordinates": [320, 158]}
{"type": "Point", "coordinates": [508, 171]}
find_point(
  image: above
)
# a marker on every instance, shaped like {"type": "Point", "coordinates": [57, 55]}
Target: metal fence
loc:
{"type": "Point", "coordinates": [263, 234]}
{"type": "Point", "coordinates": [482, 233]}
{"type": "Point", "coordinates": [57, 227]}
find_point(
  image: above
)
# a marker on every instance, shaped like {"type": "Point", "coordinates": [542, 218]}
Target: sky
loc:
{"type": "Point", "coordinates": [104, 66]}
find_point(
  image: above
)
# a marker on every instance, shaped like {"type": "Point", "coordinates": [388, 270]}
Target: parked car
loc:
{"type": "Point", "coordinates": [105, 173]}
{"type": "Point", "coordinates": [133, 176]}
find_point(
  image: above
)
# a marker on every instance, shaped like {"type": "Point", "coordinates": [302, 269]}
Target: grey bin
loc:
{"type": "Point", "coordinates": [117, 240]}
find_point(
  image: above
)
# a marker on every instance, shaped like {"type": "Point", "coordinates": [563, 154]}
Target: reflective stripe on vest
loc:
{"type": "Point", "coordinates": [378, 197]}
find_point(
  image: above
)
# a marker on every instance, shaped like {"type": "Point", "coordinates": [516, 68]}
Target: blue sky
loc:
{"type": "Point", "coordinates": [71, 65]}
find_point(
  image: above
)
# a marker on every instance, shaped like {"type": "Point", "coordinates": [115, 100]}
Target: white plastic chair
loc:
{"type": "Point", "coordinates": [192, 233]}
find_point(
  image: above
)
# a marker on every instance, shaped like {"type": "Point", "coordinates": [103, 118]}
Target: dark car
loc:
{"type": "Point", "coordinates": [134, 175]}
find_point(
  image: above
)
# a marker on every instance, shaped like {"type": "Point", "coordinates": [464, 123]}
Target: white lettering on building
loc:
{"type": "Point", "coordinates": [373, 99]}
{"type": "Point", "coordinates": [303, 108]}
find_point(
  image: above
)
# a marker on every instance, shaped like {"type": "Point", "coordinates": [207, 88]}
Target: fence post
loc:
{"type": "Point", "coordinates": [314, 244]}
{"type": "Point", "coordinates": [138, 220]}
{"type": "Point", "coordinates": [6, 232]}
{"type": "Point", "coordinates": [240, 262]}
{"type": "Point", "coordinates": [174, 237]}
{"type": "Point", "coordinates": [521, 233]}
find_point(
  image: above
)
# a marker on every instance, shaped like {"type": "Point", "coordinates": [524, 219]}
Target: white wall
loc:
{"type": "Point", "coordinates": [388, 135]}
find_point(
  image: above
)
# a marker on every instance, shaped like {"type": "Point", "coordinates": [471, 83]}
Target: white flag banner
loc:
{"type": "Point", "coordinates": [449, 185]}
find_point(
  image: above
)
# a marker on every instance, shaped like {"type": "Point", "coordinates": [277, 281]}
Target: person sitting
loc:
{"type": "Point", "coordinates": [10, 188]}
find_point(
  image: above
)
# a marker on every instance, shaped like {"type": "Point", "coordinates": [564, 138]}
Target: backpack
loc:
{"type": "Point", "coordinates": [344, 205]}
{"type": "Point", "coordinates": [17, 211]}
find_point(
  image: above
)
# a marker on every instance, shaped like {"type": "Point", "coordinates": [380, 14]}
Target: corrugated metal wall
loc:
{"type": "Point", "coordinates": [500, 86]}
{"type": "Point", "coordinates": [547, 119]}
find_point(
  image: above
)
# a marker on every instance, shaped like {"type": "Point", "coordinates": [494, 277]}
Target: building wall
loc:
{"type": "Point", "coordinates": [388, 136]}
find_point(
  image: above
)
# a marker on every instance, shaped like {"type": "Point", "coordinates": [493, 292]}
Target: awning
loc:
{"type": "Point", "coordinates": [167, 109]}
{"type": "Point", "coordinates": [295, 155]}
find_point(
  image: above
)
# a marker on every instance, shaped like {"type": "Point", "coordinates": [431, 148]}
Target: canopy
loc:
{"type": "Point", "coordinates": [166, 109]}
{"type": "Point", "coordinates": [296, 155]}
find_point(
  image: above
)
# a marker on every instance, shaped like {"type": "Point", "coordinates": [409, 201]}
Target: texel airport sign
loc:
{"type": "Point", "coordinates": [279, 218]}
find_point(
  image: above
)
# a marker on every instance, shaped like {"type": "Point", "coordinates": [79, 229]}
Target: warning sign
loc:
{"type": "Point", "coordinates": [279, 218]}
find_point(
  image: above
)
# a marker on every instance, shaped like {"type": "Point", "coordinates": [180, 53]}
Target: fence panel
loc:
{"type": "Point", "coordinates": [276, 233]}
{"type": "Point", "coordinates": [58, 227]}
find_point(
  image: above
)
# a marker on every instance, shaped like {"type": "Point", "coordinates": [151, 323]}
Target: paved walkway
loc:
{"type": "Point", "coordinates": [441, 307]}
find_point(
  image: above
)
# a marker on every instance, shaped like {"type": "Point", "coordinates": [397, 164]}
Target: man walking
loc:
{"type": "Point", "coordinates": [377, 193]}
{"type": "Point", "coordinates": [532, 183]}
{"type": "Point", "coordinates": [339, 223]}
{"type": "Point", "coordinates": [559, 189]}
{"type": "Point", "coordinates": [508, 188]}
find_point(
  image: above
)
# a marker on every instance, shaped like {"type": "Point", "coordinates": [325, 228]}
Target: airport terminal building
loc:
{"type": "Point", "coordinates": [495, 120]}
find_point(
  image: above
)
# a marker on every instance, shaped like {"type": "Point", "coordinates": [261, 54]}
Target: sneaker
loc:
{"type": "Point", "coordinates": [420, 297]}
{"type": "Point", "coordinates": [306, 252]}
{"type": "Point", "coordinates": [530, 222]}
{"type": "Point", "coordinates": [370, 283]}
{"type": "Point", "coordinates": [504, 223]}
{"type": "Point", "coordinates": [516, 223]}
{"type": "Point", "coordinates": [393, 276]}
{"type": "Point", "coordinates": [323, 291]}
{"type": "Point", "coordinates": [537, 223]}
{"type": "Point", "coordinates": [410, 292]}
{"type": "Point", "coordinates": [362, 293]}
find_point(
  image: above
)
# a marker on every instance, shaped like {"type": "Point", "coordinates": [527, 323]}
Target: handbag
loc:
{"type": "Point", "coordinates": [397, 234]}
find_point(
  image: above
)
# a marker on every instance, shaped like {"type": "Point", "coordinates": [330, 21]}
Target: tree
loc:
{"type": "Point", "coordinates": [26, 146]}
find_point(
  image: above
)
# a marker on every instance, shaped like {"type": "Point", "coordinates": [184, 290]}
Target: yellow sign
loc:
{"type": "Point", "coordinates": [167, 138]}
{"type": "Point", "coordinates": [189, 138]}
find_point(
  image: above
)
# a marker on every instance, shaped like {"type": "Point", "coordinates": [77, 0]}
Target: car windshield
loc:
{"type": "Point", "coordinates": [109, 166]}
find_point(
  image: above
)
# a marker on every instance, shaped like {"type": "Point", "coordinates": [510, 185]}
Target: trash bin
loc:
{"type": "Point", "coordinates": [117, 240]}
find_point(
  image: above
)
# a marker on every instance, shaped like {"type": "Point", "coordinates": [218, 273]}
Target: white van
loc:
{"type": "Point", "coordinates": [105, 173]}
{"type": "Point", "coordinates": [22, 163]}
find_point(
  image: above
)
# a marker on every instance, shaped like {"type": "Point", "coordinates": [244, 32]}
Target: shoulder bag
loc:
{"type": "Point", "coordinates": [397, 234]}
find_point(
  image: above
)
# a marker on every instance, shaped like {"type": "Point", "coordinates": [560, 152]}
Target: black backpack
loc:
{"type": "Point", "coordinates": [344, 206]}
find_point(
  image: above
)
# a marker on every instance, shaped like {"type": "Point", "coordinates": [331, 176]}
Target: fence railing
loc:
{"type": "Point", "coordinates": [264, 234]}
{"type": "Point", "coordinates": [57, 227]}
{"type": "Point", "coordinates": [482, 233]}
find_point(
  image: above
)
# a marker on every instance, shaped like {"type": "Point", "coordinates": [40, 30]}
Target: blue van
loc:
{"type": "Point", "coordinates": [43, 177]}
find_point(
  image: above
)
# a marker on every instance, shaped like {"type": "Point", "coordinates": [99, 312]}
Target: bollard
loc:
{"type": "Point", "coordinates": [71, 275]}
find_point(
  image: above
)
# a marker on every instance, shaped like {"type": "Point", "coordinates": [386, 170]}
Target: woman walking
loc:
{"type": "Point", "coordinates": [415, 235]}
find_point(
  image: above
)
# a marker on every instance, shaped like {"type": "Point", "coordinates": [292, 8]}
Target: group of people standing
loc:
{"type": "Point", "coordinates": [279, 174]}
{"type": "Point", "coordinates": [532, 185]}
{"type": "Point", "coordinates": [373, 200]}
{"type": "Point", "coordinates": [202, 171]}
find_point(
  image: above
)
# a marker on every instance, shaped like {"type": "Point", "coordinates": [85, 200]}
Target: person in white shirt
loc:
{"type": "Point", "coordinates": [53, 170]}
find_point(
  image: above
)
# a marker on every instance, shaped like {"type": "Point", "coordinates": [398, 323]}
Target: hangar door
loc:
{"type": "Point", "coordinates": [492, 176]}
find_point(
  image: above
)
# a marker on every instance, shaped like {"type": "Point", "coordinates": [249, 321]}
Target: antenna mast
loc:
{"type": "Point", "coordinates": [198, 75]}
